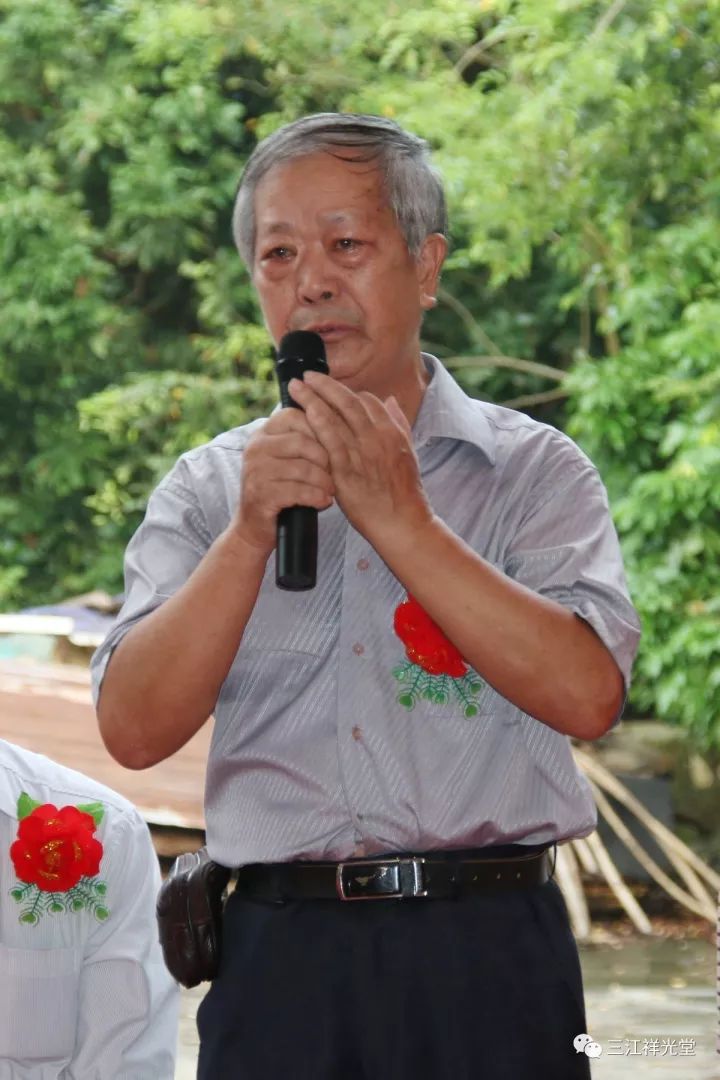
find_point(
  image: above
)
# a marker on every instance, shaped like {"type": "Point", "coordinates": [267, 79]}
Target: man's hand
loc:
{"type": "Point", "coordinates": [283, 465]}
{"type": "Point", "coordinates": [371, 455]}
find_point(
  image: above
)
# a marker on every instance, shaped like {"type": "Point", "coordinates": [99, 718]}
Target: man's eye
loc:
{"type": "Point", "coordinates": [347, 243]}
{"type": "Point", "coordinates": [277, 253]}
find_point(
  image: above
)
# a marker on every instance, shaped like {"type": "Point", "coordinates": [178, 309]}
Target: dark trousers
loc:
{"type": "Point", "coordinates": [483, 988]}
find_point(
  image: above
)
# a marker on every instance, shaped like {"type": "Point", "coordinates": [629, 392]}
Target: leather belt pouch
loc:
{"type": "Point", "coordinates": [189, 913]}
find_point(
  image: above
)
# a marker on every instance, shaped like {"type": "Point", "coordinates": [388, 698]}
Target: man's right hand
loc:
{"type": "Point", "coordinates": [283, 465]}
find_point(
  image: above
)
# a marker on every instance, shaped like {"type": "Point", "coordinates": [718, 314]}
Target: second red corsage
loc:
{"type": "Point", "coordinates": [57, 858]}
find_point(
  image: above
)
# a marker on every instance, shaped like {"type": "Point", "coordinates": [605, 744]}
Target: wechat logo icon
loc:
{"type": "Point", "coordinates": [585, 1044]}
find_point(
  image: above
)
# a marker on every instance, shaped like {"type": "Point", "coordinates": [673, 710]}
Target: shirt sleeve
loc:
{"type": "Point", "coordinates": [159, 559]}
{"type": "Point", "coordinates": [128, 1003]}
{"type": "Point", "coordinates": [566, 548]}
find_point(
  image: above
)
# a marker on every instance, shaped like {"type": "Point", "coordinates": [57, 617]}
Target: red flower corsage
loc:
{"type": "Point", "coordinates": [435, 668]}
{"type": "Point", "coordinates": [425, 643]}
{"type": "Point", "coordinates": [57, 857]}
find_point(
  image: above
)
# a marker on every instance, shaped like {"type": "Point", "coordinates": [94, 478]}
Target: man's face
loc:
{"type": "Point", "coordinates": [330, 257]}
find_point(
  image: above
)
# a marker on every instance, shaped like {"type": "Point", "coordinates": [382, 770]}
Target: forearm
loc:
{"type": "Point", "coordinates": [531, 649]}
{"type": "Point", "coordinates": [163, 679]}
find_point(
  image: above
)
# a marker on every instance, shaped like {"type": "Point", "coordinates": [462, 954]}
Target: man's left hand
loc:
{"type": "Point", "coordinates": [372, 458]}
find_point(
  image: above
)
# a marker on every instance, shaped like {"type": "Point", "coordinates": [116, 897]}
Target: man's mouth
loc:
{"type": "Point", "coordinates": [332, 331]}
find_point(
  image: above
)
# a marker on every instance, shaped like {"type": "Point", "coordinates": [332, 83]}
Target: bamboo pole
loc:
{"type": "Point", "coordinates": [568, 878]}
{"type": "Point", "coordinates": [584, 855]}
{"type": "Point", "coordinates": [618, 886]}
{"type": "Point", "coordinates": [701, 905]}
{"type": "Point", "coordinates": [612, 786]}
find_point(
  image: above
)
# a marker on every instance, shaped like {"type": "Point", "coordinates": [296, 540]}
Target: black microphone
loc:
{"type": "Point", "coordinates": [297, 526]}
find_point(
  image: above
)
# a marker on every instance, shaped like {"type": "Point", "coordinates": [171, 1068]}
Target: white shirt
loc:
{"type": "Point", "coordinates": [82, 997]}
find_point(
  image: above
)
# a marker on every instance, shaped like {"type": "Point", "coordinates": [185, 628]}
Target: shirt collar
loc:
{"type": "Point", "coordinates": [447, 412]}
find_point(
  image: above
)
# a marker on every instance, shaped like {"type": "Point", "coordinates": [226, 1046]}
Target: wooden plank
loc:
{"type": "Point", "coordinates": [48, 709]}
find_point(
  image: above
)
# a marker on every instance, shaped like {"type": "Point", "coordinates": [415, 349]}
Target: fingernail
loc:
{"type": "Point", "coordinates": [311, 375]}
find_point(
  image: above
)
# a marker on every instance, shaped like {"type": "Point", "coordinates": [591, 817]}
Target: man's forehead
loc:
{"type": "Point", "coordinates": [353, 188]}
{"type": "Point", "coordinates": [270, 225]}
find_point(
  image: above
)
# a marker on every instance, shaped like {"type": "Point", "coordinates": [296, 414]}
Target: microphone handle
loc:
{"type": "Point", "coordinates": [297, 526]}
{"type": "Point", "coordinates": [296, 550]}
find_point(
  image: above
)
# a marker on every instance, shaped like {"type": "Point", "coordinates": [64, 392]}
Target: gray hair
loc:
{"type": "Point", "coordinates": [412, 185]}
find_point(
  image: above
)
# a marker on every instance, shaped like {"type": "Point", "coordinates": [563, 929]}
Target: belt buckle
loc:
{"type": "Point", "coordinates": [406, 873]}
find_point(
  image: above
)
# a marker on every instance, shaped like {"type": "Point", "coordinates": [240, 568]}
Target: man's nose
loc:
{"type": "Point", "coordinates": [316, 278]}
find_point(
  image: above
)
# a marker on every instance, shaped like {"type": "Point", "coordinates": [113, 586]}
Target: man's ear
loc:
{"type": "Point", "coordinates": [429, 264]}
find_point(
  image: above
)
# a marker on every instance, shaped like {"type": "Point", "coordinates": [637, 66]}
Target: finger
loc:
{"type": "Point", "coordinates": [278, 469]}
{"type": "Point", "coordinates": [392, 406]}
{"type": "Point", "coordinates": [302, 445]}
{"type": "Point", "coordinates": [296, 493]}
{"type": "Point", "coordinates": [290, 424]}
{"type": "Point", "coordinates": [343, 401]}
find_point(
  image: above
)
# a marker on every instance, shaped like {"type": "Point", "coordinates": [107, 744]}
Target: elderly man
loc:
{"type": "Point", "coordinates": [400, 734]}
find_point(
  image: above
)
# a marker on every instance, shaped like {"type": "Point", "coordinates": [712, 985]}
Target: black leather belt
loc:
{"type": "Point", "coordinates": [394, 877]}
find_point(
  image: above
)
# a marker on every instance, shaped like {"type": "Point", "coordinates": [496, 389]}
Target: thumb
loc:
{"type": "Point", "coordinates": [397, 414]}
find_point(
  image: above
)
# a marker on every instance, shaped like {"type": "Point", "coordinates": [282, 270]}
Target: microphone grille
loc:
{"type": "Point", "coordinates": [302, 345]}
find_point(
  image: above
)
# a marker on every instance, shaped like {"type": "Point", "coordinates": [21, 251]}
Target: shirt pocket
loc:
{"type": "Point", "coordinates": [492, 705]}
{"type": "Point", "coordinates": [39, 995]}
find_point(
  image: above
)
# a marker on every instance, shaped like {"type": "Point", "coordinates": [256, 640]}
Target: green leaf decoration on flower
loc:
{"type": "Point", "coordinates": [101, 913]}
{"type": "Point", "coordinates": [55, 906]}
{"type": "Point", "coordinates": [26, 805]}
{"type": "Point", "coordinates": [420, 685]}
{"type": "Point", "coordinates": [17, 895]}
{"type": "Point", "coordinates": [29, 917]}
{"type": "Point", "coordinates": [96, 811]}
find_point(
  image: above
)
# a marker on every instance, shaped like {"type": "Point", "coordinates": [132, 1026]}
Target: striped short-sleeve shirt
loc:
{"type": "Point", "coordinates": [333, 735]}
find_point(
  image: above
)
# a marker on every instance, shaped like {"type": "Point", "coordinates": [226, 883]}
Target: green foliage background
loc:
{"type": "Point", "coordinates": [580, 144]}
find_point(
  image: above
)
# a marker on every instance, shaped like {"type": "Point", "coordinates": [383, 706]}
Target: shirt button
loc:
{"type": "Point", "coordinates": [358, 649]}
{"type": "Point", "coordinates": [362, 564]}
{"type": "Point", "coordinates": [357, 733]}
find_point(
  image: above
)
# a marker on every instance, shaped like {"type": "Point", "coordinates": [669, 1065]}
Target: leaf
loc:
{"type": "Point", "coordinates": [26, 805]}
{"type": "Point", "coordinates": [101, 913]}
{"type": "Point", "coordinates": [30, 918]}
{"type": "Point", "coordinates": [96, 811]}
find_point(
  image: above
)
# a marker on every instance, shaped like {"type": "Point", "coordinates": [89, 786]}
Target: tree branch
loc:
{"type": "Point", "coordinates": [515, 363]}
{"type": "Point", "coordinates": [605, 20]}
{"type": "Point", "coordinates": [476, 51]}
{"type": "Point", "coordinates": [534, 399]}
{"type": "Point", "coordinates": [471, 324]}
